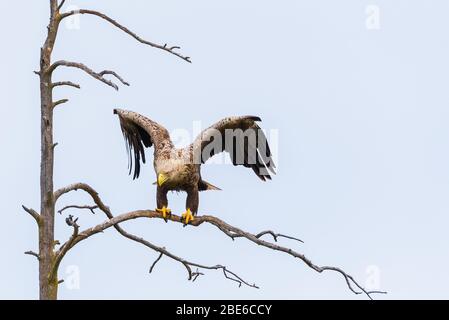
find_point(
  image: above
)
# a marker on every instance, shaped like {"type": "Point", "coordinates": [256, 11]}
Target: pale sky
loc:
{"type": "Point", "coordinates": [362, 116]}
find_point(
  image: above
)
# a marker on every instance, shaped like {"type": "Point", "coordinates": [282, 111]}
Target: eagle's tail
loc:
{"type": "Point", "coordinates": [204, 186]}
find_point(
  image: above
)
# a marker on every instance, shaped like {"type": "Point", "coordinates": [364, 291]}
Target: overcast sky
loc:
{"type": "Point", "coordinates": [357, 91]}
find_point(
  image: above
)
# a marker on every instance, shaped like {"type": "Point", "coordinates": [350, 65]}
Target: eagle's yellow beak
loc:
{"type": "Point", "coordinates": [161, 178]}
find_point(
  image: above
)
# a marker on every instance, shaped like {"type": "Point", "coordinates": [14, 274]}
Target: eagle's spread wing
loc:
{"type": "Point", "coordinates": [140, 132]}
{"type": "Point", "coordinates": [242, 138]}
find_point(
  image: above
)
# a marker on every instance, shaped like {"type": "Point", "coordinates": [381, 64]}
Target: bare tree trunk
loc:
{"type": "Point", "coordinates": [48, 285]}
{"type": "Point", "coordinates": [47, 256]}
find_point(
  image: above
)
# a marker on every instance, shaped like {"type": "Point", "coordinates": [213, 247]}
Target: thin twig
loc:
{"type": "Point", "coordinates": [32, 213]}
{"type": "Point", "coordinates": [65, 83]}
{"type": "Point", "coordinates": [61, 4]}
{"type": "Point", "coordinates": [32, 253]}
{"type": "Point", "coordinates": [277, 235]}
{"type": "Point", "coordinates": [155, 262]}
{"type": "Point", "coordinates": [102, 73]}
{"type": "Point", "coordinates": [91, 208]}
{"type": "Point", "coordinates": [57, 103]}
{"type": "Point", "coordinates": [196, 274]}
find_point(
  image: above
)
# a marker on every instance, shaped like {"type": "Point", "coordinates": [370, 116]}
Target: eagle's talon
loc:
{"type": "Point", "coordinates": [166, 212]}
{"type": "Point", "coordinates": [186, 217]}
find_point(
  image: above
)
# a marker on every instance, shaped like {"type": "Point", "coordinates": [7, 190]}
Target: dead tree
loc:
{"type": "Point", "coordinates": [50, 254]}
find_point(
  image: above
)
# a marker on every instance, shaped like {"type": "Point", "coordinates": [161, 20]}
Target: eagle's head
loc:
{"type": "Point", "coordinates": [174, 177]}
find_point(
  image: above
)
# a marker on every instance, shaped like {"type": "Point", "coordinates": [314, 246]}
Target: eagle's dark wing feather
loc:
{"type": "Point", "coordinates": [242, 138]}
{"type": "Point", "coordinates": [140, 132]}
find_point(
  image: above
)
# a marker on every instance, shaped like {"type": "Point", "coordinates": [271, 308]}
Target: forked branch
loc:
{"type": "Point", "coordinates": [165, 47]}
{"type": "Point", "coordinates": [161, 250]}
{"type": "Point", "coordinates": [96, 75]}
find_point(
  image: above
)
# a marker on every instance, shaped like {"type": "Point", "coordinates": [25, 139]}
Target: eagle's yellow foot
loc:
{"type": "Point", "coordinates": [187, 217]}
{"type": "Point", "coordinates": [165, 212]}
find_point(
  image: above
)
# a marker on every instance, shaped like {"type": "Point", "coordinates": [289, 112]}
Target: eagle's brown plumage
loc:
{"type": "Point", "coordinates": [140, 132]}
{"type": "Point", "coordinates": [253, 154]}
{"type": "Point", "coordinates": [179, 169]}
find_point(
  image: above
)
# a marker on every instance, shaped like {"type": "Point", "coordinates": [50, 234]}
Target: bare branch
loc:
{"type": "Point", "coordinates": [223, 227]}
{"type": "Point", "coordinates": [227, 274]}
{"type": "Point", "coordinates": [91, 208]}
{"type": "Point", "coordinates": [229, 230]}
{"type": "Point", "coordinates": [102, 73]}
{"type": "Point", "coordinates": [65, 83]}
{"type": "Point", "coordinates": [276, 236]}
{"type": "Point", "coordinates": [187, 264]}
{"type": "Point", "coordinates": [86, 188]}
{"type": "Point", "coordinates": [196, 274]}
{"type": "Point", "coordinates": [66, 246]}
{"type": "Point", "coordinates": [34, 254]}
{"type": "Point", "coordinates": [61, 4]}
{"type": "Point", "coordinates": [100, 228]}
{"type": "Point", "coordinates": [33, 213]}
{"type": "Point", "coordinates": [62, 101]}
{"type": "Point", "coordinates": [164, 47]}
{"type": "Point", "coordinates": [99, 76]}
{"type": "Point", "coordinates": [73, 223]}
{"type": "Point", "coordinates": [155, 262]}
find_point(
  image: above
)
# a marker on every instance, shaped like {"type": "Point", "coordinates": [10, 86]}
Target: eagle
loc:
{"type": "Point", "coordinates": [179, 169]}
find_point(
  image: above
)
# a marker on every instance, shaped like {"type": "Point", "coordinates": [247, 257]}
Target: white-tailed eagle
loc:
{"type": "Point", "coordinates": [180, 169]}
